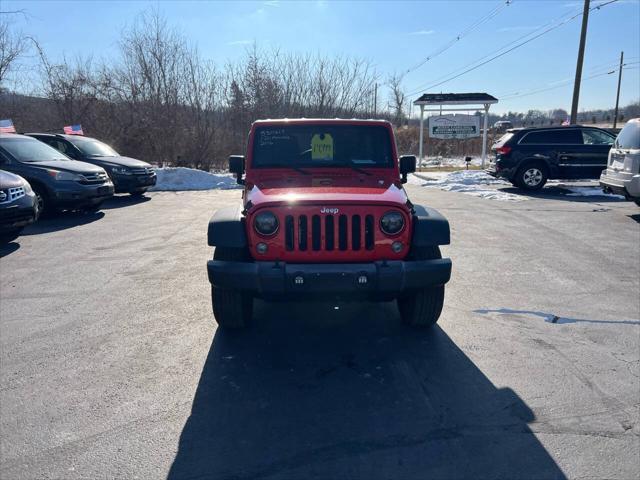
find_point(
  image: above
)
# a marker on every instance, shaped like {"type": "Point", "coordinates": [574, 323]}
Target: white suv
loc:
{"type": "Point", "coordinates": [622, 175]}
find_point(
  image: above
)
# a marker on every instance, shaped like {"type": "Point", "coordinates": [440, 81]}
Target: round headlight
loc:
{"type": "Point", "coordinates": [392, 223]}
{"type": "Point", "coordinates": [265, 223]}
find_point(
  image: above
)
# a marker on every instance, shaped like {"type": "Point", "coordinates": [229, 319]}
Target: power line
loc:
{"type": "Point", "coordinates": [495, 11]}
{"type": "Point", "coordinates": [518, 45]}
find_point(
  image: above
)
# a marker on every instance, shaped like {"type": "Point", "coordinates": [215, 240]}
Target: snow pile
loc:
{"type": "Point", "coordinates": [182, 178]}
{"type": "Point", "coordinates": [470, 182]}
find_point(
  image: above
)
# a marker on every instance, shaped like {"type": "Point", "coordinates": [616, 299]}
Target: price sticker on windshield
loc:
{"type": "Point", "coordinates": [322, 147]}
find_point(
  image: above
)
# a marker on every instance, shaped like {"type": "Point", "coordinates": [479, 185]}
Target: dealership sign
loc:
{"type": "Point", "coordinates": [454, 126]}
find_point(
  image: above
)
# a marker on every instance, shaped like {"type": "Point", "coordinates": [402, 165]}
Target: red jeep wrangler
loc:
{"type": "Point", "coordinates": [324, 215]}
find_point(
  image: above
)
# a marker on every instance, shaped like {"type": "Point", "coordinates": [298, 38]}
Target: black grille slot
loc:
{"type": "Point", "coordinates": [329, 237]}
{"type": "Point", "coordinates": [302, 232]}
{"type": "Point", "coordinates": [355, 232]}
{"type": "Point", "coordinates": [288, 232]}
{"type": "Point", "coordinates": [342, 232]}
{"type": "Point", "coordinates": [368, 232]}
{"type": "Point", "coordinates": [315, 232]}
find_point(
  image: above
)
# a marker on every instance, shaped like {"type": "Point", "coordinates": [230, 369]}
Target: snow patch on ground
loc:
{"type": "Point", "coordinates": [182, 178]}
{"type": "Point", "coordinates": [448, 162]}
{"type": "Point", "coordinates": [470, 182]}
{"type": "Point", "coordinates": [590, 192]}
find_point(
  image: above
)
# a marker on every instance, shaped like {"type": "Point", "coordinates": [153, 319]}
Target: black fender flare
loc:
{"type": "Point", "coordinates": [430, 228]}
{"type": "Point", "coordinates": [227, 228]}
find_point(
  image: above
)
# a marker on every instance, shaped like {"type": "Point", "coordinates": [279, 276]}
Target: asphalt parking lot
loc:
{"type": "Point", "coordinates": [111, 365]}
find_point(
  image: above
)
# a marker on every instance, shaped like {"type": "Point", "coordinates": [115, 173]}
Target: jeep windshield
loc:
{"type": "Point", "coordinates": [322, 145]}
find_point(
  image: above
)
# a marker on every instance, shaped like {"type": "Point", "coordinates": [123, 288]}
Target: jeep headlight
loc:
{"type": "Point", "coordinates": [265, 223]}
{"type": "Point", "coordinates": [392, 223]}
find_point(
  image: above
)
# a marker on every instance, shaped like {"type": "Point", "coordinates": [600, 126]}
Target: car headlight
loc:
{"type": "Point", "coordinates": [392, 223]}
{"type": "Point", "coordinates": [120, 171]}
{"type": "Point", "coordinates": [27, 186]}
{"type": "Point", "coordinates": [65, 176]}
{"type": "Point", "coordinates": [265, 223]}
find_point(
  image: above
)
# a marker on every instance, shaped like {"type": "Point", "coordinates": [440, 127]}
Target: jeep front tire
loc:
{"type": "Point", "coordinates": [421, 308]}
{"type": "Point", "coordinates": [231, 308]}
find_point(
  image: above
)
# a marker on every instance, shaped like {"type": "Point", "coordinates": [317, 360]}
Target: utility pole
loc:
{"type": "Point", "coordinates": [615, 113]}
{"type": "Point", "coordinates": [576, 85]}
{"type": "Point", "coordinates": [375, 101]}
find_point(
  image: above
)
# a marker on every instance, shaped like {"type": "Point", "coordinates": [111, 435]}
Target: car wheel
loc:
{"type": "Point", "coordinates": [43, 204]}
{"type": "Point", "coordinates": [532, 176]}
{"type": "Point", "coordinates": [422, 308]}
{"type": "Point", "coordinates": [231, 308]}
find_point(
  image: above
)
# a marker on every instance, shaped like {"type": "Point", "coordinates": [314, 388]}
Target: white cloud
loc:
{"type": "Point", "coordinates": [272, 3]}
{"type": "Point", "coordinates": [423, 32]}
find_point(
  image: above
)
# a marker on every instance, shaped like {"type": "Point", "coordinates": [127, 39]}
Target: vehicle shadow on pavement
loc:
{"type": "Point", "coordinates": [313, 392]}
{"type": "Point", "coordinates": [119, 201]}
{"type": "Point", "coordinates": [61, 221]}
{"type": "Point", "coordinates": [551, 318]}
{"type": "Point", "coordinates": [8, 248]}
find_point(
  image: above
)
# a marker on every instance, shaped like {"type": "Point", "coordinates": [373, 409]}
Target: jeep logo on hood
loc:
{"type": "Point", "coordinates": [332, 211]}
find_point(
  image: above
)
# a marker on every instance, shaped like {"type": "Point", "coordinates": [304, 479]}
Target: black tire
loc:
{"type": "Point", "coordinates": [231, 308]}
{"type": "Point", "coordinates": [422, 308]}
{"type": "Point", "coordinates": [532, 176]}
{"type": "Point", "coordinates": [44, 208]}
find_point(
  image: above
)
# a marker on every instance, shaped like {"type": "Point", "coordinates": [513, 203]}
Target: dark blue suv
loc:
{"type": "Point", "coordinates": [528, 157]}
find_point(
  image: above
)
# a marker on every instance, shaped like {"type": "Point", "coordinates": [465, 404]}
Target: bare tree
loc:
{"type": "Point", "coordinates": [398, 97]}
{"type": "Point", "coordinates": [13, 45]}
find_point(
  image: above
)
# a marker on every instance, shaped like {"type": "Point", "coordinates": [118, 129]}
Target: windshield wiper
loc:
{"type": "Point", "coordinates": [356, 168]}
{"type": "Point", "coordinates": [297, 169]}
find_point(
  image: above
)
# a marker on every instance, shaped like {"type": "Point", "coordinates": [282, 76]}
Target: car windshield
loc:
{"type": "Point", "coordinates": [30, 150]}
{"type": "Point", "coordinates": [629, 136]}
{"type": "Point", "coordinates": [95, 148]}
{"type": "Point", "coordinates": [322, 146]}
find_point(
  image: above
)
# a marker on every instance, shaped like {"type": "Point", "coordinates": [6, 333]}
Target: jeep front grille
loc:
{"type": "Point", "coordinates": [94, 178]}
{"type": "Point", "coordinates": [323, 235]}
{"type": "Point", "coordinates": [142, 171]}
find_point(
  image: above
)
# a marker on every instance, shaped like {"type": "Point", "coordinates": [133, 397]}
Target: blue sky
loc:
{"type": "Point", "coordinates": [393, 35]}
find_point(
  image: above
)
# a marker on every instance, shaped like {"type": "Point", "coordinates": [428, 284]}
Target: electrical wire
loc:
{"type": "Point", "coordinates": [517, 45]}
{"type": "Point", "coordinates": [495, 11]}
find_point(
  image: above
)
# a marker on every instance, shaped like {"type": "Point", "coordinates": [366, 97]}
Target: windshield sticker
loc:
{"type": "Point", "coordinates": [322, 147]}
{"type": "Point", "coordinates": [269, 137]}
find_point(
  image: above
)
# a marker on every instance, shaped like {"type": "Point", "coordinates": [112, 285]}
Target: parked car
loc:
{"type": "Point", "coordinates": [127, 174]}
{"type": "Point", "coordinates": [502, 126]}
{"type": "Point", "coordinates": [324, 215]}
{"type": "Point", "coordinates": [528, 157]}
{"type": "Point", "coordinates": [622, 175]}
{"type": "Point", "coordinates": [18, 205]}
{"type": "Point", "coordinates": [58, 182]}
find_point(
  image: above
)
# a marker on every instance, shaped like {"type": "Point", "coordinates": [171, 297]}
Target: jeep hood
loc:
{"type": "Point", "coordinates": [72, 166]}
{"type": "Point", "coordinates": [327, 195]}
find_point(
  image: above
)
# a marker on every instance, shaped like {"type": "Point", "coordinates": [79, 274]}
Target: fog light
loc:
{"type": "Point", "coordinates": [298, 280]}
{"type": "Point", "coordinates": [261, 248]}
{"type": "Point", "coordinates": [396, 247]}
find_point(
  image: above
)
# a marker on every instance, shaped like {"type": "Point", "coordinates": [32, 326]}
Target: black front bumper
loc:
{"type": "Point", "coordinates": [381, 279]}
{"type": "Point", "coordinates": [133, 183]}
{"type": "Point", "coordinates": [17, 214]}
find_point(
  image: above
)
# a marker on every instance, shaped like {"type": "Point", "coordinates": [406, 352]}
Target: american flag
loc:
{"type": "Point", "coordinates": [6, 126]}
{"type": "Point", "coordinates": [73, 130]}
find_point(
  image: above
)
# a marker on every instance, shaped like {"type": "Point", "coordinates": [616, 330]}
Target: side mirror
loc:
{"type": "Point", "coordinates": [236, 166]}
{"type": "Point", "coordinates": [407, 165]}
